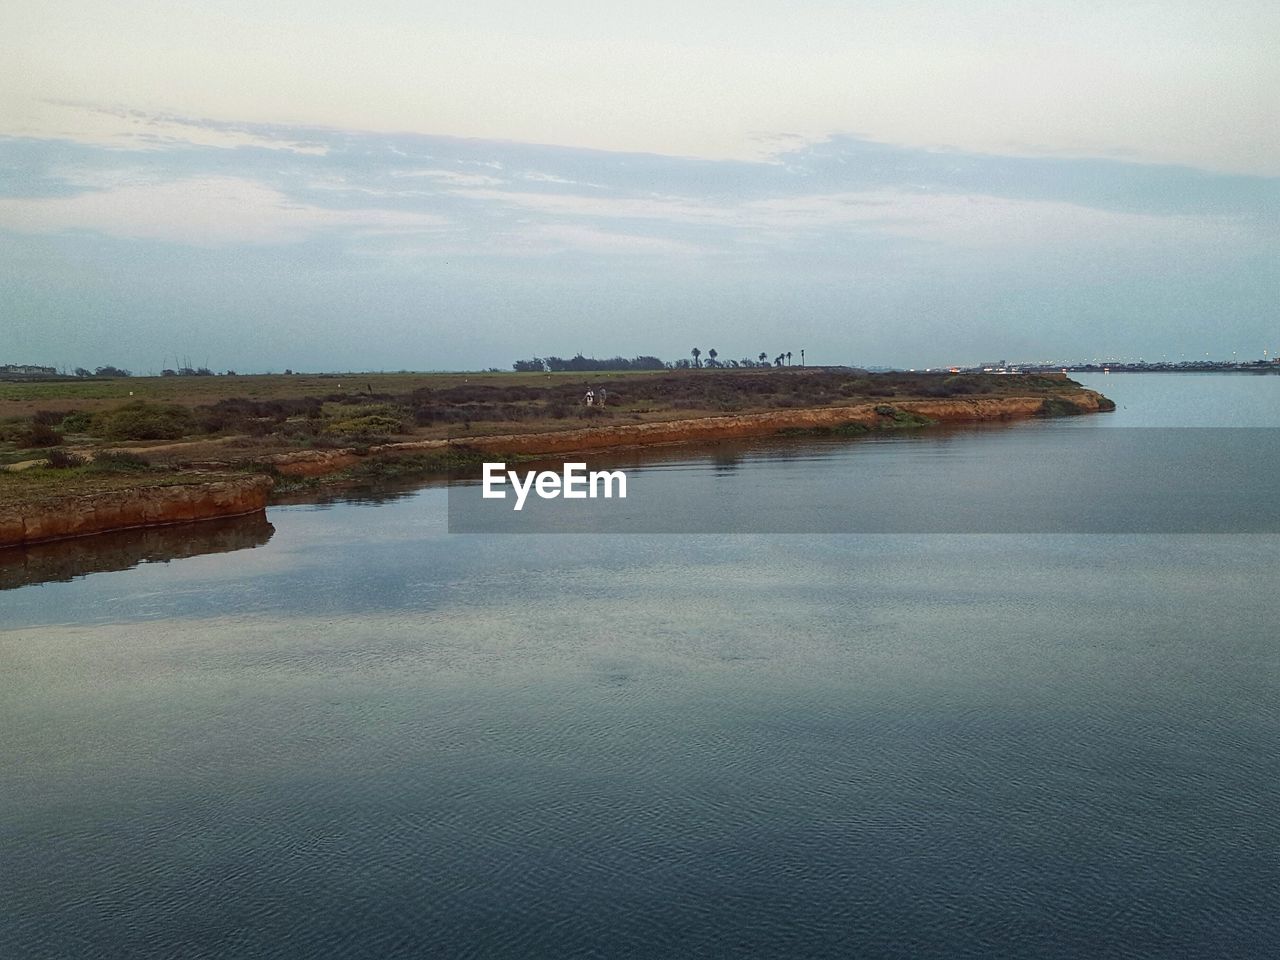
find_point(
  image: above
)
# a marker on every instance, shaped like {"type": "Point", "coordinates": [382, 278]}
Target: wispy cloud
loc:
{"type": "Point", "coordinates": [202, 211]}
{"type": "Point", "coordinates": [127, 129]}
{"type": "Point", "coordinates": [256, 185]}
{"type": "Point", "coordinates": [455, 178]}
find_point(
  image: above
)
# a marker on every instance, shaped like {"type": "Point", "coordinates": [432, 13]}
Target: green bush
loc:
{"type": "Point", "coordinates": [118, 461]}
{"type": "Point", "coordinates": [1058, 407]}
{"type": "Point", "coordinates": [146, 421]}
{"type": "Point", "coordinates": [963, 384]}
{"type": "Point", "coordinates": [368, 427]}
{"type": "Point", "coordinates": [77, 422]}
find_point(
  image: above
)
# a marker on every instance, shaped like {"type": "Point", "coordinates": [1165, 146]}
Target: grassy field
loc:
{"type": "Point", "coordinates": [32, 486]}
{"type": "Point", "coordinates": [23, 398]}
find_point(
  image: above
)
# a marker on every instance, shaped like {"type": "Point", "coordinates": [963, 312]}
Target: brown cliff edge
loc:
{"type": "Point", "coordinates": [79, 515]}
{"type": "Point", "coordinates": [206, 496]}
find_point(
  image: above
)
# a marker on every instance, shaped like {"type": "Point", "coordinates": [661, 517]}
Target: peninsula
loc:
{"type": "Point", "coordinates": [97, 454]}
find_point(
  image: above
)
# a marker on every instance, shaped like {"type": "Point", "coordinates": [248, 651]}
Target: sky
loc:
{"type": "Point", "coordinates": [396, 185]}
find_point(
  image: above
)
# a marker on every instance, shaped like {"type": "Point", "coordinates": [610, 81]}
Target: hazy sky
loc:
{"type": "Point", "coordinates": [411, 185]}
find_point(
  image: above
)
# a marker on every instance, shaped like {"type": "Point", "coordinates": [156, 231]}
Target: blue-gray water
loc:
{"type": "Point", "coordinates": [367, 737]}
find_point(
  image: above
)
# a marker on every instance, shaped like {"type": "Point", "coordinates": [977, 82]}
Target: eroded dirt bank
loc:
{"type": "Point", "coordinates": [56, 518]}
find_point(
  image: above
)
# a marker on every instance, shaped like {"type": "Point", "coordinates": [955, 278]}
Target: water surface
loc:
{"type": "Point", "coordinates": [368, 737]}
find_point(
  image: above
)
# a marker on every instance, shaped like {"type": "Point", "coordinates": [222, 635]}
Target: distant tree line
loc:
{"type": "Point", "coordinates": [106, 371]}
{"type": "Point", "coordinates": [113, 371]}
{"type": "Point", "coordinates": [581, 363]}
{"type": "Point", "coordinates": [187, 372]}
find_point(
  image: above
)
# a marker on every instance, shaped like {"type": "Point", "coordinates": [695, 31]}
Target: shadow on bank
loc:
{"type": "Point", "coordinates": [69, 559]}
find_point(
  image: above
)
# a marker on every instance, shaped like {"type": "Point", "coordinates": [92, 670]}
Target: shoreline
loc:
{"type": "Point", "coordinates": [77, 515]}
{"type": "Point", "coordinates": [872, 416]}
{"type": "Point", "coordinates": [218, 494]}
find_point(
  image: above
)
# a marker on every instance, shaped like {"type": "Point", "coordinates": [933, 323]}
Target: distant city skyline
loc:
{"type": "Point", "coordinates": [391, 188]}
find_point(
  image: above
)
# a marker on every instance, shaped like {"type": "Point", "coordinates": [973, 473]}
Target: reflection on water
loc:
{"type": "Point", "coordinates": [69, 559]}
{"type": "Point", "coordinates": [1029, 477]}
{"type": "Point", "coordinates": [372, 492]}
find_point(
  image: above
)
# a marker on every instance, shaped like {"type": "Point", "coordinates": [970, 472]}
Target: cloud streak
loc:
{"type": "Point", "coordinates": [203, 212]}
{"type": "Point", "coordinates": [257, 185]}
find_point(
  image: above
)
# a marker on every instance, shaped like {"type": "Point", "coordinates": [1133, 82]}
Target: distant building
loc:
{"type": "Point", "coordinates": [27, 370]}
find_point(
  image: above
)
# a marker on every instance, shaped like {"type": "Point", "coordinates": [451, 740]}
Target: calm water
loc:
{"type": "Point", "coordinates": [362, 736]}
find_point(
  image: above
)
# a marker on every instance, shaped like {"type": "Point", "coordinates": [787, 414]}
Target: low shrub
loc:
{"type": "Point", "coordinates": [39, 435]}
{"type": "Point", "coordinates": [964, 385]}
{"type": "Point", "coordinates": [118, 461]}
{"type": "Point", "coordinates": [1058, 407]}
{"type": "Point", "coordinates": [77, 422]}
{"type": "Point", "coordinates": [62, 460]}
{"type": "Point", "coordinates": [146, 421]}
{"type": "Point", "coordinates": [255, 417]}
{"type": "Point", "coordinates": [370, 427]}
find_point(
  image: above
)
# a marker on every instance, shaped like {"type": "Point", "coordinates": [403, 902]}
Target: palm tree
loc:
{"type": "Point", "coordinates": [764, 357]}
{"type": "Point", "coordinates": [788, 358]}
{"type": "Point", "coordinates": [711, 357]}
{"type": "Point", "coordinates": [696, 354]}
